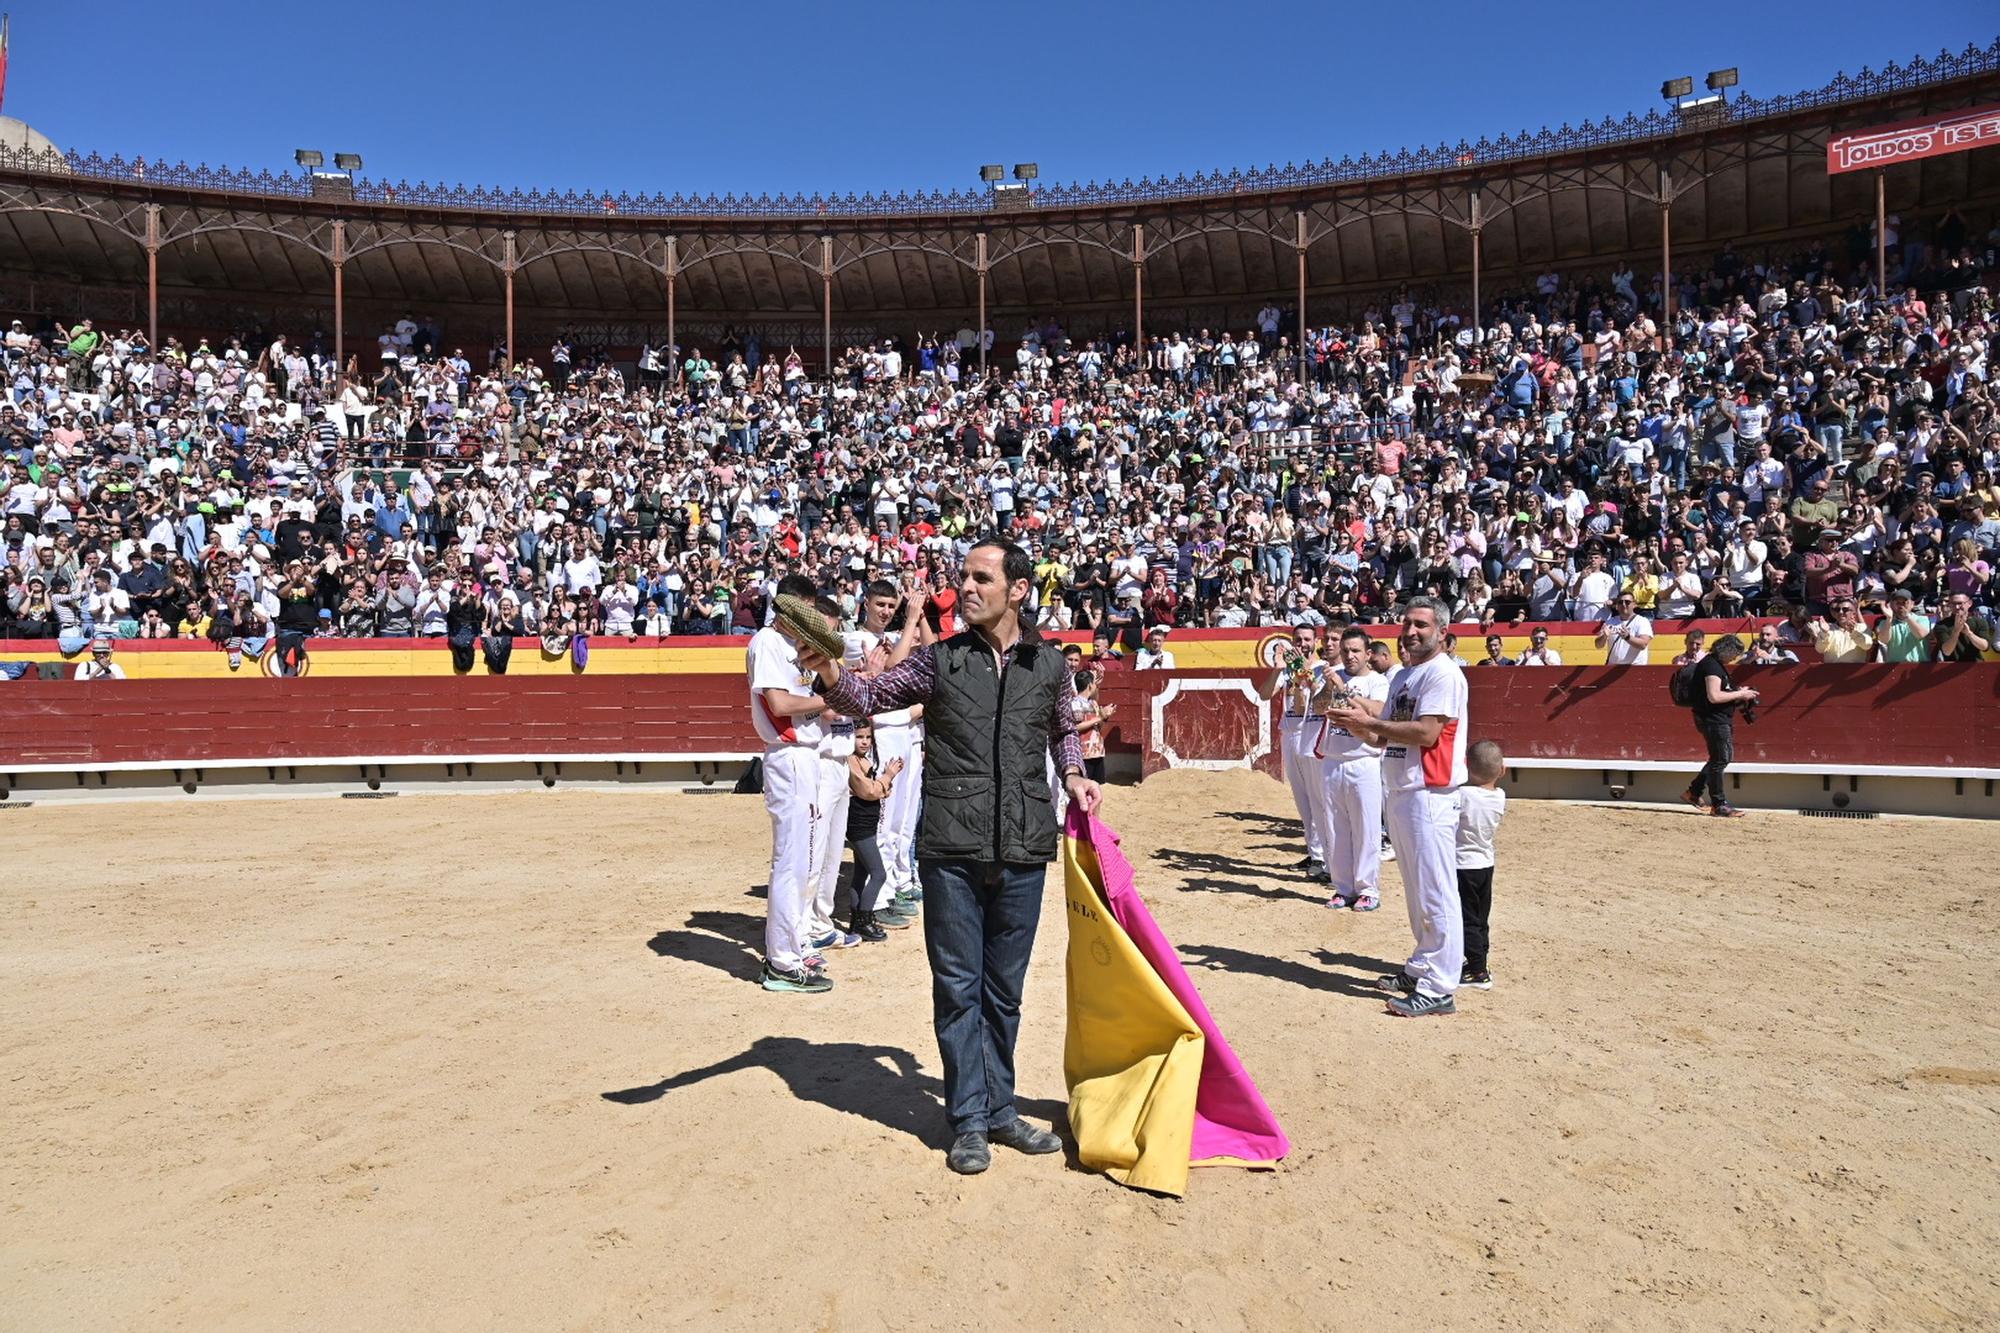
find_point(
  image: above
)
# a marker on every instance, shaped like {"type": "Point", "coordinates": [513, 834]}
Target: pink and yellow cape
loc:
{"type": "Point", "coordinates": [1153, 1087]}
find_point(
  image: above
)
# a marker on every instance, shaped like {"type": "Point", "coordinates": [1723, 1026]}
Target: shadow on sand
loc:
{"type": "Point", "coordinates": [878, 1083]}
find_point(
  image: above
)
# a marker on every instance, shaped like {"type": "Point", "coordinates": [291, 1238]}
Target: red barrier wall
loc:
{"type": "Point", "coordinates": [60, 722]}
{"type": "Point", "coordinates": [1925, 716]}
{"type": "Point", "coordinates": [1919, 716]}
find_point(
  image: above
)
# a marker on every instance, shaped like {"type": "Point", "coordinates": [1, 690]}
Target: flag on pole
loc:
{"type": "Point", "coordinates": [1153, 1087]}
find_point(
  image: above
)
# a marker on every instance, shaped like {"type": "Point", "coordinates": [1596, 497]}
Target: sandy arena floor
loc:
{"type": "Point", "coordinates": [496, 1062]}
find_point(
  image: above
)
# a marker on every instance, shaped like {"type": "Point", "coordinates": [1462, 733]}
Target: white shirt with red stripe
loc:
{"type": "Point", "coordinates": [774, 665]}
{"type": "Point", "coordinates": [1432, 689]}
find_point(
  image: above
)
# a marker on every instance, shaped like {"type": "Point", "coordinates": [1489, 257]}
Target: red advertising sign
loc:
{"type": "Point", "coordinates": [1912, 140]}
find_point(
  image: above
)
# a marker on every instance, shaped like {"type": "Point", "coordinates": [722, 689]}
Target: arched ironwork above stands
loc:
{"type": "Point", "coordinates": [1212, 248]}
{"type": "Point", "coordinates": [1506, 150]}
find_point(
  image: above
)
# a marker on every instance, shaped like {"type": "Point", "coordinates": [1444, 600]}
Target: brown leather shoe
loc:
{"type": "Point", "coordinates": [1725, 812]}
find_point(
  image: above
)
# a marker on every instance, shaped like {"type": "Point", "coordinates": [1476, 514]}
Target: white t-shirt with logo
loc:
{"type": "Point", "coordinates": [774, 665]}
{"type": "Point", "coordinates": [1338, 743]}
{"type": "Point", "coordinates": [1431, 689]}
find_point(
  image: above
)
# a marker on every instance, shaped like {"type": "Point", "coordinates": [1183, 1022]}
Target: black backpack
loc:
{"type": "Point", "coordinates": [1681, 686]}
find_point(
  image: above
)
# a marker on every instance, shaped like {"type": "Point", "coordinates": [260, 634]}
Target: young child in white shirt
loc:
{"type": "Point", "coordinates": [1481, 803]}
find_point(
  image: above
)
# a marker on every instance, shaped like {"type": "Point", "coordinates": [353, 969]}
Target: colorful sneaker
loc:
{"type": "Point", "coordinates": [813, 962]}
{"type": "Point", "coordinates": [895, 918]}
{"type": "Point", "coordinates": [1397, 983]}
{"type": "Point", "coordinates": [1340, 902]}
{"type": "Point", "coordinates": [1420, 1005]}
{"type": "Point", "coordinates": [1367, 902]}
{"type": "Point", "coordinates": [804, 981]}
{"type": "Point", "coordinates": [1480, 980]}
{"type": "Point", "coordinates": [834, 939]}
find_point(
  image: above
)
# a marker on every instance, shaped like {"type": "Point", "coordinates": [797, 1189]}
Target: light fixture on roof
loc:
{"type": "Point", "coordinates": [347, 161]}
{"type": "Point", "coordinates": [1674, 89]}
{"type": "Point", "coordinates": [309, 158]}
{"type": "Point", "coordinates": [1721, 78]}
{"type": "Point", "coordinates": [1026, 171]}
{"type": "Point", "coordinates": [992, 172]}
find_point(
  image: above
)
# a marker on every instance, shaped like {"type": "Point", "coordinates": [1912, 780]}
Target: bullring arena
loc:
{"type": "Point", "coordinates": [449, 1061]}
{"type": "Point", "coordinates": [357, 980]}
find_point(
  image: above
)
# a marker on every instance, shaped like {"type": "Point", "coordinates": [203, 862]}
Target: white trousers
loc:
{"type": "Point", "coordinates": [1297, 735]}
{"type": "Point", "coordinates": [791, 791]}
{"type": "Point", "coordinates": [1423, 826]}
{"type": "Point", "coordinates": [829, 841]}
{"type": "Point", "coordinates": [896, 835]}
{"type": "Point", "coordinates": [1351, 817]}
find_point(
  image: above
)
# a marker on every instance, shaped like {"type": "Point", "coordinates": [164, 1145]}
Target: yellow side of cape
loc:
{"type": "Point", "coordinates": [1132, 1055]}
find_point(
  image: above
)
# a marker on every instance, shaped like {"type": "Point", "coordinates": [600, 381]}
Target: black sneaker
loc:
{"type": "Point", "coordinates": [863, 924]}
{"type": "Point", "coordinates": [1304, 863]}
{"type": "Point", "coordinates": [1319, 874]}
{"type": "Point", "coordinates": [1397, 983]}
{"type": "Point", "coordinates": [1420, 1005]}
{"type": "Point", "coordinates": [1479, 980]}
{"type": "Point", "coordinates": [801, 982]}
{"type": "Point", "coordinates": [1021, 1136]}
{"type": "Point", "coordinates": [969, 1154]}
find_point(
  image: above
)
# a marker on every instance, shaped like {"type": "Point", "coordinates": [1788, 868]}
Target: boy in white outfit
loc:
{"type": "Point", "coordinates": [829, 830]}
{"type": "Point", "coordinates": [1481, 803]}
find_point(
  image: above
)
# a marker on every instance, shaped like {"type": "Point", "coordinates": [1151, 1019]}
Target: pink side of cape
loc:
{"type": "Point", "coordinates": [1231, 1118]}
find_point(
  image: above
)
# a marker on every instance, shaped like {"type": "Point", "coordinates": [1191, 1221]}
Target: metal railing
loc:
{"type": "Point", "coordinates": [1611, 131]}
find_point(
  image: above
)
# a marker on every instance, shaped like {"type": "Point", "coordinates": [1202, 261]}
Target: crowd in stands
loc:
{"type": "Point", "coordinates": [1792, 442]}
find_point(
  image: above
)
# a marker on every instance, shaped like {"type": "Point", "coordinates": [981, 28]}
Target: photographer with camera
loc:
{"type": "Point", "coordinates": [1715, 701]}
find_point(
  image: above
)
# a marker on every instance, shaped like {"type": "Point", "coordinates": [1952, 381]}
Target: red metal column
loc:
{"type": "Point", "coordinates": [673, 281]}
{"type": "Point", "coordinates": [153, 276]}
{"type": "Point", "coordinates": [507, 268]}
{"type": "Point", "coordinates": [339, 296]}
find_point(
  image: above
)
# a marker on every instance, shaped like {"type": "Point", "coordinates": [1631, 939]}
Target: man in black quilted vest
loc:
{"type": "Point", "coordinates": [996, 705]}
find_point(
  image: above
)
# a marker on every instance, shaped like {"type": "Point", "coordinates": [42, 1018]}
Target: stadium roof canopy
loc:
{"type": "Point", "coordinates": [85, 234]}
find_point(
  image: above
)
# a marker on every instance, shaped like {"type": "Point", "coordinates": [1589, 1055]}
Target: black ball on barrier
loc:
{"type": "Point", "coordinates": [188, 787]}
{"type": "Point", "coordinates": [1840, 800]}
{"type": "Point", "coordinates": [548, 782]}
{"type": "Point", "coordinates": [374, 784]}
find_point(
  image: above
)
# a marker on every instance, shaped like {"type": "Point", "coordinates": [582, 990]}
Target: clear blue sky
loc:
{"type": "Point", "coordinates": [845, 96]}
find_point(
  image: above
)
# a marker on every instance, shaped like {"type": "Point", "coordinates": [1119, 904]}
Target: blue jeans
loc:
{"type": "Point", "coordinates": [979, 928]}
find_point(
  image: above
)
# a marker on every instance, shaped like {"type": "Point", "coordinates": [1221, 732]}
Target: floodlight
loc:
{"type": "Point", "coordinates": [1026, 171]}
{"type": "Point", "coordinates": [992, 172]}
{"type": "Point", "coordinates": [1673, 88]}
{"type": "Point", "coordinates": [347, 161]}
{"type": "Point", "coordinates": [1721, 78]}
{"type": "Point", "coordinates": [309, 157]}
